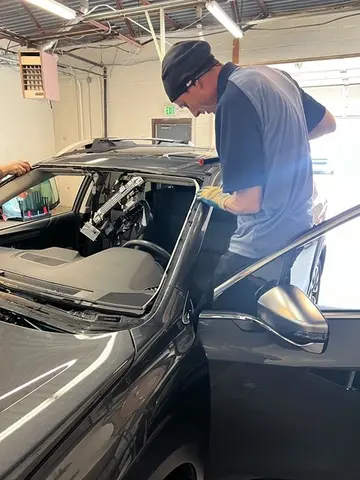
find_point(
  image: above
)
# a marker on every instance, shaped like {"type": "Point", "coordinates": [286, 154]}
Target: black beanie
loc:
{"type": "Point", "coordinates": [184, 63]}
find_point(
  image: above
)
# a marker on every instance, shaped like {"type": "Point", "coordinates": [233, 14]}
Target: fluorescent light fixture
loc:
{"type": "Point", "coordinates": [54, 7]}
{"type": "Point", "coordinates": [215, 9]}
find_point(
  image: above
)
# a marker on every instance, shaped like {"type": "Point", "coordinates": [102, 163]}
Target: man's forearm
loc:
{"type": "Point", "coordinates": [244, 202]}
{"type": "Point", "coordinates": [327, 125]}
{"type": "Point", "coordinates": [317, 132]}
{"type": "Point", "coordinates": [234, 206]}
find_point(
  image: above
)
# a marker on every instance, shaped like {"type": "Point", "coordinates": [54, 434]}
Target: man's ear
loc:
{"type": "Point", "coordinates": [200, 83]}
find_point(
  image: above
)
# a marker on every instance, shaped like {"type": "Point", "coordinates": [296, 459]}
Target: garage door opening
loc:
{"type": "Point", "coordinates": [336, 167]}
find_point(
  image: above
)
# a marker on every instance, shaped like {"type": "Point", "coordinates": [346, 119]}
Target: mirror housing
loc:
{"type": "Point", "coordinates": [286, 310]}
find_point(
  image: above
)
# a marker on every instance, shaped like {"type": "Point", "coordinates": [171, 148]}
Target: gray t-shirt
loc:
{"type": "Point", "coordinates": [262, 124]}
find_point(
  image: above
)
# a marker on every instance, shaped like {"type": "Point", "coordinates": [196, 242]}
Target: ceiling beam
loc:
{"type": "Point", "coordinates": [263, 7]}
{"type": "Point", "coordinates": [61, 35]}
{"type": "Point", "coordinates": [235, 11]}
{"type": "Point", "coordinates": [14, 37]}
{"type": "Point", "coordinates": [32, 16]}
{"type": "Point", "coordinates": [120, 5]}
{"type": "Point", "coordinates": [82, 59]}
{"type": "Point", "coordinates": [98, 28]}
{"type": "Point", "coordinates": [127, 39]}
{"type": "Point", "coordinates": [151, 7]}
{"type": "Point", "coordinates": [168, 19]}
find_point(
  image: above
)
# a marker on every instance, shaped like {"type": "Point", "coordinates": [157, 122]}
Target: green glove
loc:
{"type": "Point", "coordinates": [213, 196]}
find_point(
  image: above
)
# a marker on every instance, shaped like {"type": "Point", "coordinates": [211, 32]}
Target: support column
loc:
{"type": "Point", "coordinates": [236, 51]}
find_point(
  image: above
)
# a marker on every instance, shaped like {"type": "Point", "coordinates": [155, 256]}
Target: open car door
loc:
{"type": "Point", "coordinates": [285, 382]}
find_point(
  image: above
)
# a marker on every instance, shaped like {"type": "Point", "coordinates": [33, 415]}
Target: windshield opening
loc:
{"type": "Point", "coordinates": [107, 250]}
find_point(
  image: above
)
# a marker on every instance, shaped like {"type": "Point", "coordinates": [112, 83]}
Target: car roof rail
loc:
{"type": "Point", "coordinates": [105, 144]}
{"type": "Point", "coordinates": [159, 141]}
{"type": "Point", "coordinates": [97, 145]}
{"type": "Point", "coordinates": [156, 140]}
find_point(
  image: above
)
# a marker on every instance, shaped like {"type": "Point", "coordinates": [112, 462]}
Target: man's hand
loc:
{"type": "Point", "coordinates": [213, 196]}
{"type": "Point", "coordinates": [15, 168]}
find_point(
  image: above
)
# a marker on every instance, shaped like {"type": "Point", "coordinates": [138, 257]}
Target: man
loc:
{"type": "Point", "coordinates": [14, 168]}
{"type": "Point", "coordinates": [263, 122]}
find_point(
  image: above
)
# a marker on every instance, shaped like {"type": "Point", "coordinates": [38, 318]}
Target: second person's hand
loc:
{"type": "Point", "coordinates": [15, 168]}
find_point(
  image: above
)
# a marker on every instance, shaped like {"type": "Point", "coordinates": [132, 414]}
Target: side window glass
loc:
{"type": "Point", "coordinates": [339, 283]}
{"type": "Point", "coordinates": [301, 267]}
{"type": "Point", "coordinates": [242, 297]}
{"type": "Point", "coordinates": [50, 197]}
{"type": "Point", "coordinates": [326, 270]}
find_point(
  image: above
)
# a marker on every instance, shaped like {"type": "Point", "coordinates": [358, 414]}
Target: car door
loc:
{"type": "Point", "coordinates": [280, 410]}
{"type": "Point", "coordinates": [45, 214]}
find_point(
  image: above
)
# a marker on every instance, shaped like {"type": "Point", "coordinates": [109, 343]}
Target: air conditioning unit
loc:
{"type": "Point", "coordinates": [39, 75]}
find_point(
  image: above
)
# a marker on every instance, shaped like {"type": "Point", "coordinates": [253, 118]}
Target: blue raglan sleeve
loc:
{"type": "Point", "coordinates": [239, 141]}
{"type": "Point", "coordinates": [314, 111]}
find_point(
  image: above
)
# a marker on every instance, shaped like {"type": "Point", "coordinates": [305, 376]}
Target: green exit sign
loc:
{"type": "Point", "coordinates": [170, 110]}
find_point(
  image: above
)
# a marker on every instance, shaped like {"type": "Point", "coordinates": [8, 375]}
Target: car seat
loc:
{"type": "Point", "coordinates": [169, 206]}
{"type": "Point", "coordinates": [216, 242]}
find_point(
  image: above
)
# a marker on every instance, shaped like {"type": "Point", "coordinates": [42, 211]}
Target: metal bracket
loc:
{"type": "Point", "coordinates": [162, 33]}
{"type": "Point", "coordinates": [84, 6]}
{"type": "Point", "coordinates": [160, 48]}
{"type": "Point", "coordinates": [154, 37]}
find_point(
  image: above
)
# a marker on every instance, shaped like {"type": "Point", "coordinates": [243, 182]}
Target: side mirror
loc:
{"type": "Point", "coordinates": [288, 312]}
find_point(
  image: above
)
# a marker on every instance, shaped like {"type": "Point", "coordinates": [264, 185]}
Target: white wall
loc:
{"type": "Point", "coordinates": [136, 94]}
{"type": "Point", "coordinates": [135, 97]}
{"type": "Point", "coordinates": [26, 126]}
{"type": "Point", "coordinates": [78, 115]}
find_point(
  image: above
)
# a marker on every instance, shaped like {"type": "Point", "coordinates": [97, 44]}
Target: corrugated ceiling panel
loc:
{"type": "Point", "coordinates": [13, 15]}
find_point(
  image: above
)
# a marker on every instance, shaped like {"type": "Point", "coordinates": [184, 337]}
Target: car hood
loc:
{"type": "Point", "coordinates": [46, 380]}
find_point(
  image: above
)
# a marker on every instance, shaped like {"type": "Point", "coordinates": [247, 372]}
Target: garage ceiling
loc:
{"type": "Point", "coordinates": [25, 24]}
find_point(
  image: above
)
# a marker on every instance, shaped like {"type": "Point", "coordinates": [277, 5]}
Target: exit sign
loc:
{"type": "Point", "coordinates": [170, 110]}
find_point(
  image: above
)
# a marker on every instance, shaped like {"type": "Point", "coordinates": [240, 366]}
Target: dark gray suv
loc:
{"type": "Point", "coordinates": [110, 367]}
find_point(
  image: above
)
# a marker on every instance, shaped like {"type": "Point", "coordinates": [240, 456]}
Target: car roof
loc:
{"type": "Point", "coordinates": [175, 159]}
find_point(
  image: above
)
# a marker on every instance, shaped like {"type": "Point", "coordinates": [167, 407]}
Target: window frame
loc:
{"type": "Point", "coordinates": [48, 174]}
{"type": "Point", "coordinates": [309, 236]}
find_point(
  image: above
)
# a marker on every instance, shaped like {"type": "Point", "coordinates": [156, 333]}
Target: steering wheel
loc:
{"type": "Point", "coordinates": [148, 247]}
